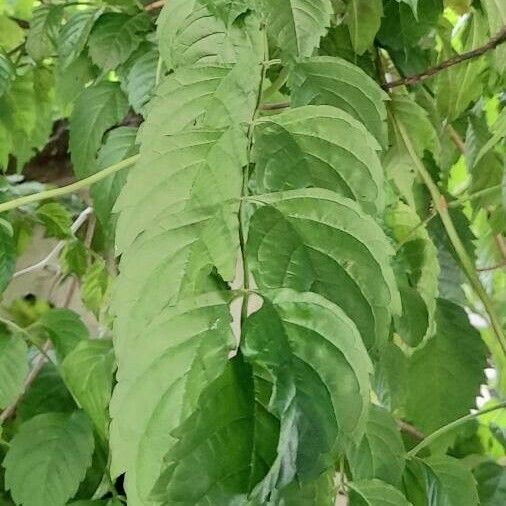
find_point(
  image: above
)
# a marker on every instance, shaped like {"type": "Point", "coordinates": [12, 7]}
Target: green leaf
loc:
{"type": "Point", "coordinates": [94, 286]}
{"type": "Point", "coordinates": [88, 373]}
{"type": "Point", "coordinates": [74, 35]}
{"type": "Point", "coordinates": [380, 453]}
{"type": "Point", "coordinates": [375, 493]}
{"type": "Point", "coordinates": [44, 29]}
{"type": "Point", "coordinates": [320, 370]}
{"type": "Point", "coordinates": [65, 329]}
{"type": "Point", "coordinates": [397, 162]}
{"type": "Point", "coordinates": [319, 146]}
{"type": "Point", "coordinates": [161, 376]}
{"type": "Point", "coordinates": [401, 28]}
{"type": "Point", "coordinates": [496, 15]}
{"type": "Point", "coordinates": [297, 25]}
{"type": "Point", "coordinates": [47, 394]}
{"type": "Point", "coordinates": [333, 81]}
{"type": "Point", "coordinates": [139, 76]}
{"type": "Point", "coordinates": [56, 220]}
{"type": "Point", "coordinates": [491, 480]}
{"type": "Point", "coordinates": [328, 246]}
{"type": "Point", "coordinates": [450, 366]}
{"type": "Point", "coordinates": [188, 34]}
{"type": "Point", "coordinates": [446, 481]}
{"type": "Point", "coordinates": [115, 36]}
{"type": "Point", "coordinates": [48, 458]}
{"type": "Point", "coordinates": [98, 108]}
{"type": "Point", "coordinates": [7, 256]}
{"type": "Point", "coordinates": [417, 272]}
{"type": "Point", "coordinates": [7, 73]}
{"type": "Point", "coordinates": [498, 130]}
{"type": "Point", "coordinates": [13, 367]}
{"type": "Point", "coordinates": [462, 84]}
{"type": "Point", "coordinates": [218, 443]}
{"type": "Point", "coordinates": [119, 144]}
{"type": "Point", "coordinates": [11, 34]}
{"type": "Point", "coordinates": [364, 20]}
{"type": "Point", "coordinates": [74, 258]}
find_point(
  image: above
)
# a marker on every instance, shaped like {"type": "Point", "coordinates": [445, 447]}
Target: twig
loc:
{"type": "Point", "coordinates": [447, 428]}
{"type": "Point", "coordinates": [154, 5]}
{"type": "Point", "coordinates": [64, 190]}
{"type": "Point", "coordinates": [410, 429]}
{"type": "Point", "coordinates": [81, 219]}
{"type": "Point", "coordinates": [275, 107]}
{"type": "Point", "coordinates": [456, 138]}
{"type": "Point", "coordinates": [493, 267]}
{"type": "Point", "coordinates": [495, 41]}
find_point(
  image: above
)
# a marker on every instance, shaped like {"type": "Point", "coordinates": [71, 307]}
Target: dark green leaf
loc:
{"type": "Point", "coordinates": [44, 30]}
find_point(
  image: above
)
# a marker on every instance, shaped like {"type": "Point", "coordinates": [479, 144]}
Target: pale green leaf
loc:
{"type": "Point", "coordinates": [462, 84]}
{"type": "Point", "coordinates": [297, 25]}
{"type": "Point", "coordinates": [320, 401]}
{"type": "Point", "coordinates": [364, 20]}
{"type": "Point", "coordinates": [319, 146]}
{"type": "Point", "coordinates": [7, 256]}
{"type": "Point", "coordinates": [44, 30]}
{"type": "Point", "coordinates": [74, 258]}
{"type": "Point", "coordinates": [326, 80]}
{"type": "Point", "coordinates": [7, 72]}
{"type": "Point", "coordinates": [13, 367]}
{"type": "Point", "coordinates": [491, 480]}
{"type": "Point", "coordinates": [48, 458]}
{"type": "Point", "coordinates": [119, 144]}
{"type": "Point", "coordinates": [375, 493]}
{"type": "Point", "coordinates": [380, 453]}
{"type": "Point", "coordinates": [188, 34]}
{"type": "Point", "coordinates": [498, 130]}
{"type": "Point", "coordinates": [115, 36]}
{"type": "Point", "coordinates": [417, 272]}
{"type": "Point", "coordinates": [161, 376]}
{"type": "Point", "coordinates": [98, 108]}
{"type": "Point", "coordinates": [74, 35]}
{"type": "Point", "coordinates": [88, 373]}
{"type": "Point", "coordinates": [450, 366]}
{"type": "Point", "coordinates": [56, 220]}
{"type": "Point", "coordinates": [315, 240]}
{"type": "Point", "coordinates": [94, 286]}
{"type": "Point", "coordinates": [11, 34]}
{"type": "Point", "coordinates": [496, 15]}
{"type": "Point", "coordinates": [65, 329]}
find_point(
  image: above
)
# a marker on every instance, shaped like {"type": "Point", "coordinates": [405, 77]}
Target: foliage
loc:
{"type": "Point", "coordinates": [291, 264]}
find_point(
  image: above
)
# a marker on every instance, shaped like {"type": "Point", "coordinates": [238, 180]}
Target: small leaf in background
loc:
{"type": "Point", "coordinates": [44, 29]}
{"type": "Point", "coordinates": [13, 367]}
{"type": "Point", "coordinates": [74, 258]}
{"type": "Point", "coordinates": [74, 35]}
{"type": "Point", "coordinates": [65, 329]}
{"type": "Point", "coordinates": [48, 458]}
{"type": "Point", "coordinates": [56, 220]}
{"type": "Point", "coordinates": [94, 286]}
{"type": "Point", "coordinates": [7, 254]}
{"type": "Point", "coordinates": [115, 37]}
{"type": "Point", "coordinates": [88, 373]}
{"type": "Point", "coordinates": [7, 72]}
{"type": "Point", "coordinates": [98, 108]}
{"type": "Point", "coordinates": [364, 20]}
{"type": "Point", "coordinates": [491, 479]}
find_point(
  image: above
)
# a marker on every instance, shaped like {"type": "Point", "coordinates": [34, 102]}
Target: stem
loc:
{"type": "Point", "coordinates": [242, 207]}
{"type": "Point", "coordinates": [442, 208]}
{"type": "Point", "coordinates": [277, 84]}
{"type": "Point", "coordinates": [64, 190]}
{"type": "Point", "coordinates": [476, 195]}
{"type": "Point", "coordinates": [447, 428]}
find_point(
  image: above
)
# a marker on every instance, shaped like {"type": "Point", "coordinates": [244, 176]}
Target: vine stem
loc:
{"type": "Point", "coordinates": [442, 208]}
{"type": "Point", "coordinates": [447, 428]}
{"type": "Point", "coordinates": [64, 190]}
